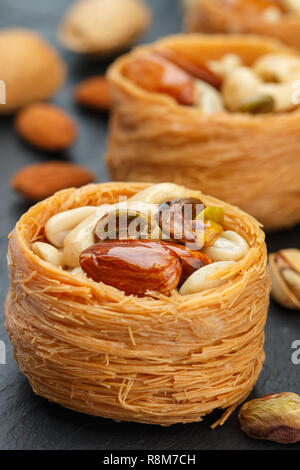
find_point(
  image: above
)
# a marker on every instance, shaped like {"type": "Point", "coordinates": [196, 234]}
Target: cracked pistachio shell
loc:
{"type": "Point", "coordinates": [284, 270]}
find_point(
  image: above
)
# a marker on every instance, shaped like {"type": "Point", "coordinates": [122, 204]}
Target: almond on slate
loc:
{"type": "Point", "coordinates": [38, 181]}
{"type": "Point", "coordinates": [133, 266]}
{"type": "Point", "coordinates": [46, 126]}
{"type": "Point", "coordinates": [93, 93]}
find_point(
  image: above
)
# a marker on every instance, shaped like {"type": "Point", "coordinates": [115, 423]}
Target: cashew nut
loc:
{"type": "Point", "coordinates": [208, 99]}
{"type": "Point", "coordinates": [238, 86]}
{"type": "Point", "coordinates": [226, 65]}
{"type": "Point", "coordinates": [272, 15]}
{"type": "Point", "coordinates": [82, 236]}
{"type": "Point", "coordinates": [277, 68]}
{"type": "Point", "coordinates": [58, 226]}
{"type": "Point", "coordinates": [282, 93]}
{"type": "Point", "coordinates": [244, 86]}
{"type": "Point", "coordinates": [159, 193]}
{"type": "Point", "coordinates": [201, 280]}
{"type": "Point", "coordinates": [292, 6]}
{"type": "Point", "coordinates": [48, 253]}
{"type": "Point", "coordinates": [230, 246]}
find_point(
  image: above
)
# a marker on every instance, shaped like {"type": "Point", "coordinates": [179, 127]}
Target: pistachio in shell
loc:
{"type": "Point", "coordinates": [284, 270]}
{"type": "Point", "coordinates": [103, 27]}
{"type": "Point", "coordinates": [274, 417]}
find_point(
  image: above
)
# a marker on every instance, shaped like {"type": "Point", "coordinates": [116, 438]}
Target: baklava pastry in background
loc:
{"type": "Point", "coordinates": [220, 113]}
{"type": "Point", "coordinates": [276, 18]}
{"type": "Point", "coordinates": [138, 329]}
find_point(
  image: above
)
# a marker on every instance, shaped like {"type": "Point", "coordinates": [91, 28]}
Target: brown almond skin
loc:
{"type": "Point", "coordinates": [93, 93]}
{"type": "Point", "coordinates": [154, 73]}
{"type": "Point", "coordinates": [199, 71]}
{"type": "Point", "coordinates": [191, 260]}
{"type": "Point", "coordinates": [41, 180]}
{"type": "Point", "coordinates": [133, 266]}
{"type": "Point", "coordinates": [46, 127]}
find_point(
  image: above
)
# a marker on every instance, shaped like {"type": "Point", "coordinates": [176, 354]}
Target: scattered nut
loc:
{"type": "Point", "coordinates": [46, 127]}
{"type": "Point", "coordinates": [93, 93]}
{"type": "Point", "coordinates": [284, 269]}
{"type": "Point", "coordinates": [41, 180]}
{"type": "Point", "coordinates": [103, 27]}
{"type": "Point", "coordinates": [273, 417]}
{"type": "Point", "coordinates": [133, 266]}
{"type": "Point", "coordinates": [30, 68]}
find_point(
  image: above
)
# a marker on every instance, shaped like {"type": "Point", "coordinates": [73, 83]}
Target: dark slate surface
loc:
{"type": "Point", "coordinates": [30, 422]}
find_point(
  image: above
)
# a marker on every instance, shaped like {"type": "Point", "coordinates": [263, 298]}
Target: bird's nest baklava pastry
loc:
{"type": "Point", "coordinates": [220, 113]}
{"type": "Point", "coordinates": [276, 18]}
{"type": "Point", "coordinates": [137, 302]}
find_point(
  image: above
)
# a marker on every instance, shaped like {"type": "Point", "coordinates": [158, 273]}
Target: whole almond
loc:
{"type": "Point", "coordinates": [30, 68]}
{"type": "Point", "coordinates": [93, 93]}
{"type": "Point", "coordinates": [46, 126]}
{"type": "Point", "coordinates": [133, 266]}
{"type": "Point", "coordinates": [41, 180]}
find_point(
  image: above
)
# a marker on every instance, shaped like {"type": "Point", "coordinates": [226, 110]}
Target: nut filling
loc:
{"type": "Point", "coordinates": [270, 10]}
{"type": "Point", "coordinates": [227, 84]}
{"type": "Point", "coordinates": [159, 240]}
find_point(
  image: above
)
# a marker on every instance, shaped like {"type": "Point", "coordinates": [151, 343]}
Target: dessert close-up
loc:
{"type": "Point", "coordinates": [146, 297]}
{"type": "Point", "coordinates": [150, 210]}
{"type": "Point", "coordinates": [274, 18]}
{"type": "Point", "coordinates": [220, 113]}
